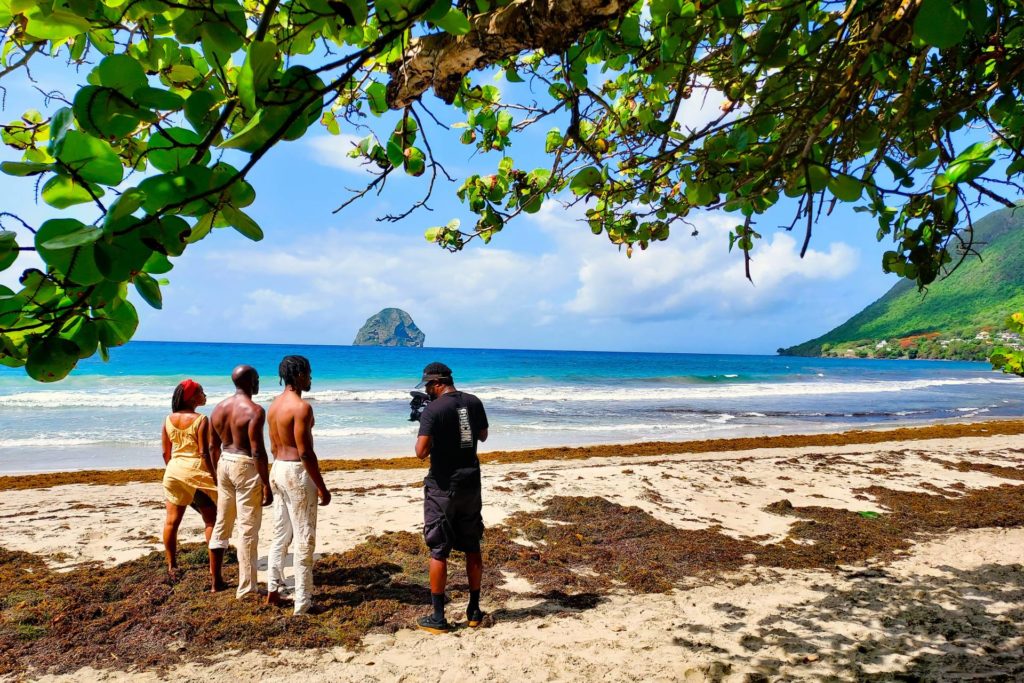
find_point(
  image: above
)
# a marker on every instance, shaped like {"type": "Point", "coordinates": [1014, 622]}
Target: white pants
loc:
{"type": "Point", "coordinates": [295, 503]}
{"type": "Point", "coordinates": [239, 496]}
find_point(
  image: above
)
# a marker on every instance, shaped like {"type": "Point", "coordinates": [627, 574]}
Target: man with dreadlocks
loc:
{"type": "Point", "coordinates": [296, 483]}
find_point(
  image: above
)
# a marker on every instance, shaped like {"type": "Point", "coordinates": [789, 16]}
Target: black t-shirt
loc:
{"type": "Point", "coordinates": [454, 421]}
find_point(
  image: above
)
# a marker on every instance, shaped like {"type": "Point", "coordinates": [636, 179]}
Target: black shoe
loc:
{"type": "Point", "coordinates": [435, 626]}
{"type": "Point", "coordinates": [475, 617]}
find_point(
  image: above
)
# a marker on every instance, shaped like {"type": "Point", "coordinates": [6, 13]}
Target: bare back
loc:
{"type": "Point", "coordinates": [238, 424]}
{"type": "Point", "coordinates": [290, 419]}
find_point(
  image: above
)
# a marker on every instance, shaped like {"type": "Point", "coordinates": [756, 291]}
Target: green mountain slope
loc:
{"type": "Point", "coordinates": [978, 295]}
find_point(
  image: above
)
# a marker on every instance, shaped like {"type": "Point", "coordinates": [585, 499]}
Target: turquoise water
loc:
{"type": "Point", "coordinates": [109, 414]}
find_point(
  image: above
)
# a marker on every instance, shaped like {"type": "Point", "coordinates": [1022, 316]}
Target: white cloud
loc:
{"type": "Point", "coordinates": [345, 278]}
{"type": "Point", "coordinates": [686, 276]}
{"type": "Point", "coordinates": [568, 288]}
{"type": "Point", "coordinates": [267, 306]}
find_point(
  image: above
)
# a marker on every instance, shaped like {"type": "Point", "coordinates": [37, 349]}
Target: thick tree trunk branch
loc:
{"type": "Point", "coordinates": [442, 60]}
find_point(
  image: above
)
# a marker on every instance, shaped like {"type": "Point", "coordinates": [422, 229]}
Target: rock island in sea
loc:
{"type": "Point", "coordinates": [390, 327]}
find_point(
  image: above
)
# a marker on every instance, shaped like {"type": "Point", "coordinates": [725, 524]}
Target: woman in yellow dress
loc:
{"type": "Point", "coordinates": [187, 477]}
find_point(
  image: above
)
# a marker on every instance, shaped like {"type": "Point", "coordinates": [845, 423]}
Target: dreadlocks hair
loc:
{"type": "Point", "coordinates": [291, 367]}
{"type": "Point", "coordinates": [178, 399]}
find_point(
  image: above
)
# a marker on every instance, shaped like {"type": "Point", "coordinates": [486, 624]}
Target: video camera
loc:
{"type": "Point", "coordinates": [417, 404]}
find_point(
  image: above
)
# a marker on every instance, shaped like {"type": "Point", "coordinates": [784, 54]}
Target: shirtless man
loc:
{"type": "Point", "coordinates": [243, 482]}
{"type": "Point", "coordinates": [296, 482]}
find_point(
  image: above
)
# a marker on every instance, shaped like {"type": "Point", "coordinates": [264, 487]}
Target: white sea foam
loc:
{"type": "Point", "coordinates": [343, 432]}
{"type": "Point", "coordinates": [60, 441]}
{"type": "Point", "coordinates": [89, 399]}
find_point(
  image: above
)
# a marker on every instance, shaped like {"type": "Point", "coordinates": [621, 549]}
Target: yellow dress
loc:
{"type": "Point", "coordinates": [186, 471]}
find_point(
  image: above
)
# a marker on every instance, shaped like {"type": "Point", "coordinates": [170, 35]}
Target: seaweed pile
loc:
{"type": "Point", "coordinates": [573, 552]}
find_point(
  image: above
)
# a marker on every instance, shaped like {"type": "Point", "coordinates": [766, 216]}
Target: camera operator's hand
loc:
{"type": "Point", "coordinates": [325, 496]}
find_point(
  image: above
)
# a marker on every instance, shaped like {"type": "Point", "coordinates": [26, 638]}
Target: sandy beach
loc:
{"type": "Point", "coordinates": [839, 557]}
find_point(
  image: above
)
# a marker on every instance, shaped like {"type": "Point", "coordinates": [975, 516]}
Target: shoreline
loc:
{"type": "Point", "coordinates": [938, 430]}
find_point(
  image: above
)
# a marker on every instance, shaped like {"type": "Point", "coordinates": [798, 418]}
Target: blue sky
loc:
{"type": "Point", "coordinates": [544, 282]}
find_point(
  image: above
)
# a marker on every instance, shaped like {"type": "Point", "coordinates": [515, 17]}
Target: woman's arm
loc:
{"type": "Point", "coordinates": [203, 437]}
{"type": "Point", "coordinates": [165, 444]}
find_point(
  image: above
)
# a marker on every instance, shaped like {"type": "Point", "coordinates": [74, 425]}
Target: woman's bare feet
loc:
{"type": "Point", "coordinates": [173, 574]}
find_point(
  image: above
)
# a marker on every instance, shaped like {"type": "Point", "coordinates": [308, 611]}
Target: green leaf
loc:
{"type": "Point", "coordinates": [75, 257]}
{"type": "Point", "coordinates": [183, 74]}
{"type": "Point", "coordinates": [395, 153]}
{"type": "Point", "coordinates": [939, 23]}
{"type": "Point", "coordinates": [122, 73]}
{"type": "Point", "coordinates": [241, 222]}
{"type": "Point", "coordinates": [200, 110]}
{"type": "Point", "coordinates": [173, 149]}
{"type": "Point", "coordinates": [158, 98]}
{"type": "Point", "coordinates": [91, 158]}
{"type": "Point", "coordinates": [376, 93]}
{"type": "Point", "coordinates": [118, 259]}
{"type": "Point", "coordinates": [260, 64]}
{"type": "Point", "coordinates": [846, 187]}
{"type": "Point", "coordinates": [61, 192]}
{"type": "Point", "coordinates": [415, 161]}
{"type": "Point", "coordinates": [22, 169]}
{"type": "Point", "coordinates": [84, 334]}
{"type": "Point", "coordinates": [437, 10]}
{"type": "Point", "coordinates": [117, 323]}
{"type": "Point", "coordinates": [553, 140]}
{"type": "Point", "coordinates": [202, 227]}
{"type": "Point", "coordinates": [971, 163]}
{"type": "Point", "coordinates": [172, 233]}
{"type": "Point", "coordinates": [76, 238]}
{"type": "Point", "coordinates": [149, 290]}
{"type": "Point", "coordinates": [52, 359]}
{"type": "Point", "coordinates": [8, 249]}
{"type": "Point", "coordinates": [586, 180]}
{"type": "Point", "coordinates": [454, 22]}
{"type": "Point", "coordinates": [56, 25]}
{"type": "Point", "coordinates": [60, 124]}
{"type": "Point", "coordinates": [869, 514]}
{"type": "Point", "coordinates": [157, 264]}
{"type": "Point", "coordinates": [105, 112]}
{"type": "Point", "coordinates": [127, 204]}
{"type": "Point", "coordinates": [819, 177]}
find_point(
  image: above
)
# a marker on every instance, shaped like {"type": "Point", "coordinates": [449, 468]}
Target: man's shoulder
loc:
{"type": "Point", "coordinates": [472, 399]}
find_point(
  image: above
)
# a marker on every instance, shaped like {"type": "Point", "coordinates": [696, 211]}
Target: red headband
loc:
{"type": "Point", "coordinates": [189, 390]}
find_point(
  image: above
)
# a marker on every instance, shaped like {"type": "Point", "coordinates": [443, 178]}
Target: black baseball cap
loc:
{"type": "Point", "coordinates": [434, 372]}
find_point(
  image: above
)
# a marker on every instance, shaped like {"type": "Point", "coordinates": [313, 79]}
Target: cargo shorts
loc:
{"type": "Point", "coordinates": [452, 520]}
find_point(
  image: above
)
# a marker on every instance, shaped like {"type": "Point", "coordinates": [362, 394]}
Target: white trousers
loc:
{"type": "Point", "coordinates": [295, 503]}
{"type": "Point", "coordinates": [239, 497]}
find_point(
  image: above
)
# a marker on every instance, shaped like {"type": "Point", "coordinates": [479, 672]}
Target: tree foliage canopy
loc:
{"type": "Point", "coordinates": [909, 109]}
{"type": "Point", "coordinates": [1010, 361]}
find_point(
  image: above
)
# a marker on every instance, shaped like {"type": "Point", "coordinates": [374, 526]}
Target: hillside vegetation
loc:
{"type": "Point", "coordinates": [959, 316]}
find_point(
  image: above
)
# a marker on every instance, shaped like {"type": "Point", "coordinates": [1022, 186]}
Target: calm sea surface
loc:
{"type": "Point", "coordinates": [108, 415]}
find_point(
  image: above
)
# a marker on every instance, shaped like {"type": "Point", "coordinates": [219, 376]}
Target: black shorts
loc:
{"type": "Point", "coordinates": [201, 500]}
{"type": "Point", "coordinates": [452, 521]}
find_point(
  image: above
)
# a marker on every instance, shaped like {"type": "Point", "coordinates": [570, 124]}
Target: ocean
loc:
{"type": "Point", "coordinates": [109, 415]}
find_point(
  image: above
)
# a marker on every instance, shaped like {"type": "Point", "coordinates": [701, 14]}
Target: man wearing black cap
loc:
{"type": "Point", "coordinates": [450, 427]}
